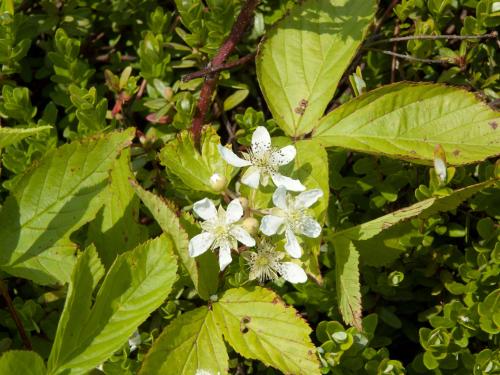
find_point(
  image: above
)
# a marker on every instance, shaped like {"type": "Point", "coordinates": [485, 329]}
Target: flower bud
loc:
{"type": "Point", "coordinates": [251, 225]}
{"type": "Point", "coordinates": [168, 93]}
{"type": "Point", "coordinates": [218, 182]}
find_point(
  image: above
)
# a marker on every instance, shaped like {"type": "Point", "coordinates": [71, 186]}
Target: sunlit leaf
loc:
{"type": "Point", "coordinates": [304, 57]}
{"type": "Point", "coordinates": [191, 342]}
{"type": "Point", "coordinates": [258, 325]}
{"type": "Point", "coordinates": [406, 121]}
{"type": "Point", "coordinates": [50, 201]}
{"type": "Point", "coordinates": [137, 284]}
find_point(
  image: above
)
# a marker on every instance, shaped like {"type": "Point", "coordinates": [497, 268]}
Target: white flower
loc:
{"type": "Point", "coordinates": [266, 264]}
{"type": "Point", "coordinates": [219, 230]}
{"type": "Point", "coordinates": [290, 216]}
{"type": "Point", "coordinates": [134, 341]}
{"type": "Point", "coordinates": [263, 161]}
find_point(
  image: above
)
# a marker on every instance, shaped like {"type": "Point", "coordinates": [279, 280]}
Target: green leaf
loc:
{"type": "Point", "coordinates": [10, 136]}
{"type": "Point", "coordinates": [304, 57]}
{"type": "Point", "coordinates": [406, 121]}
{"type": "Point", "coordinates": [346, 242]}
{"type": "Point", "coordinates": [489, 313]}
{"type": "Point", "coordinates": [258, 325]}
{"type": "Point", "coordinates": [421, 209]}
{"type": "Point", "coordinates": [347, 281]}
{"type": "Point", "coordinates": [234, 99]}
{"type": "Point", "coordinates": [20, 362]}
{"type": "Point", "coordinates": [50, 201]}
{"type": "Point", "coordinates": [204, 275]}
{"type": "Point", "coordinates": [116, 228]}
{"type": "Point", "coordinates": [192, 341]}
{"type": "Point", "coordinates": [7, 6]}
{"type": "Point", "coordinates": [136, 285]}
{"type": "Point", "coordinates": [182, 158]}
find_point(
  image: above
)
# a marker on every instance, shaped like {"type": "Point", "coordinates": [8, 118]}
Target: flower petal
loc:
{"type": "Point", "coordinates": [279, 197]}
{"type": "Point", "coordinates": [205, 209]}
{"type": "Point", "coordinates": [242, 235]}
{"type": "Point", "coordinates": [251, 177]}
{"type": "Point", "coordinates": [231, 158]}
{"type": "Point", "coordinates": [200, 243]}
{"type": "Point", "coordinates": [261, 140]}
{"type": "Point", "coordinates": [270, 224]}
{"type": "Point", "coordinates": [292, 246]}
{"type": "Point", "coordinates": [293, 273]}
{"type": "Point", "coordinates": [310, 227]}
{"type": "Point", "coordinates": [287, 182]}
{"type": "Point", "coordinates": [224, 255]}
{"type": "Point", "coordinates": [308, 198]}
{"type": "Point", "coordinates": [234, 211]}
{"type": "Point", "coordinates": [283, 156]}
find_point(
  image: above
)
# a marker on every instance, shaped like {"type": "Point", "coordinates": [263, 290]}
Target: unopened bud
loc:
{"type": "Point", "coordinates": [168, 93]}
{"type": "Point", "coordinates": [218, 182]}
{"type": "Point", "coordinates": [251, 225]}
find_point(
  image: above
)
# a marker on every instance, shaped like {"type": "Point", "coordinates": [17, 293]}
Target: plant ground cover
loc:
{"type": "Point", "coordinates": [249, 187]}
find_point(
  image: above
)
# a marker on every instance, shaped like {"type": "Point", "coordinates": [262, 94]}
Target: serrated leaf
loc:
{"type": "Point", "coordinates": [346, 242]}
{"type": "Point", "coordinates": [9, 136]}
{"type": "Point", "coordinates": [406, 121]}
{"type": "Point", "coordinates": [421, 209]}
{"type": "Point", "coordinates": [205, 276]}
{"type": "Point", "coordinates": [258, 325]}
{"type": "Point", "coordinates": [182, 158]}
{"type": "Point", "coordinates": [347, 281]}
{"type": "Point", "coordinates": [20, 362]}
{"type": "Point", "coordinates": [191, 342]}
{"type": "Point", "coordinates": [137, 284]}
{"type": "Point", "coordinates": [303, 58]}
{"type": "Point", "coordinates": [50, 201]}
{"type": "Point", "coordinates": [116, 228]}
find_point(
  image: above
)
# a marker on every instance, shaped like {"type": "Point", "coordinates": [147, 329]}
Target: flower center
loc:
{"type": "Point", "coordinates": [262, 160]}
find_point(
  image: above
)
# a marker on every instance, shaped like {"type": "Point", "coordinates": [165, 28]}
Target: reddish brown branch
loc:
{"type": "Point", "coordinates": [13, 313]}
{"type": "Point", "coordinates": [215, 69]}
{"type": "Point", "coordinates": [239, 27]}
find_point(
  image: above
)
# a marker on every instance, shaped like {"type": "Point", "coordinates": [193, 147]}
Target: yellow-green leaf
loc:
{"type": "Point", "coordinates": [50, 201]}
{"type": "Point", "coordinates": [258, 325]}
{"type": "Point", "coordinates": [191, 342]}
{"type": "Point", "coordinates": [304, 56]}
{"type": "Point", "coordinates": [407, 121]}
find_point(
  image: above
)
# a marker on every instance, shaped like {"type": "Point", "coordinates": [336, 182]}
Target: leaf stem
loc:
{"type": "Point", "coordinates": [239, 27]}
{"type": "Point", "coordinates": [12, 310]}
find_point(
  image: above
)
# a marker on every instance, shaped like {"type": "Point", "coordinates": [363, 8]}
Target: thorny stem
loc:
{"type": "Point", "coordinates": [12, 310]}
{"type": "Point", "coordinates": [239, 27]}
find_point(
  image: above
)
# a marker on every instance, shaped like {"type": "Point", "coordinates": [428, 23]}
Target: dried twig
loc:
{"type": "Point", "coordinates": [491, 35]}
{"type": "Point", "coordinates": [13, 313]}
{"type": "Point", "coordinates": [409, 57]}
{"type": "Point", "coordinates": [239, 27]}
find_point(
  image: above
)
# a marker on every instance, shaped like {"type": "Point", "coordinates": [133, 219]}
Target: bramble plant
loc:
{"type": "Point", "coordinates": [159, 221]}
